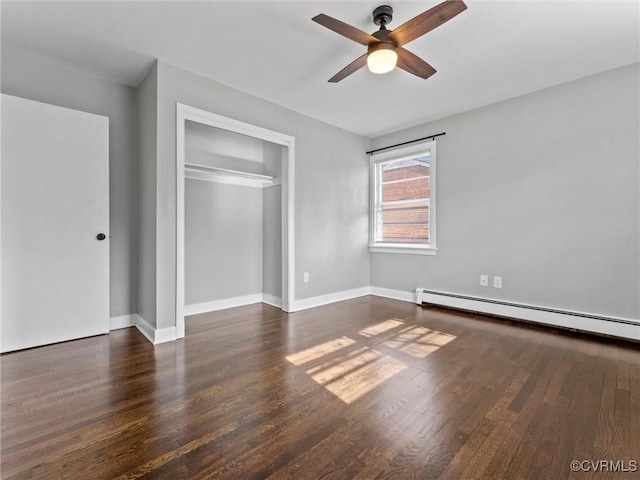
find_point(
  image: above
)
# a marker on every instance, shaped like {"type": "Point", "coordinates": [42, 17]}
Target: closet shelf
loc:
{"type": "Point", "coordinates": [224, 175]}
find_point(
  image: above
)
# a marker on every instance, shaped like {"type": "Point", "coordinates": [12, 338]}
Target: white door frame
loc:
{"type": "Point", "coordinates": [184, 113]}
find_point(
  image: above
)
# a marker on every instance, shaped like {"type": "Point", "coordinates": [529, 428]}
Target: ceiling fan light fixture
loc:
{"type": "Point", "coordinates": [385, 48]}
{"type": "Point", "coordinates": [382, 57]}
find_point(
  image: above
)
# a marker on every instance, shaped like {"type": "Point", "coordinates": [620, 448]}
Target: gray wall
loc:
{"type": "Point", "coordinates": [223, 241]}
{"type": "Point", "coordinates": [147, 192]}
{"type": "Point", "coordinates": [272, 241]}
{"type": "Point", "coordinates": [331, 187]}
{"type": "Point", "coordinates": [36, 78]}
{"type": "Point", "coordinates": [542, 190]}
{"type": "Point", "coordinates": [215, 147]}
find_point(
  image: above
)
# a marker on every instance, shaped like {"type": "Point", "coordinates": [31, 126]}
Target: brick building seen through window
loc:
{"type": "Point", "coordinates": [403, 207]}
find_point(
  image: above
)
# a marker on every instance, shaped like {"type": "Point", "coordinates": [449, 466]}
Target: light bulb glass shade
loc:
{"type": "Point", "coordinates": [382, 60]}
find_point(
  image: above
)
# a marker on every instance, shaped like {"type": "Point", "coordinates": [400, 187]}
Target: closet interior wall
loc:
{"type": "Point", "coordinates": [233, 244]}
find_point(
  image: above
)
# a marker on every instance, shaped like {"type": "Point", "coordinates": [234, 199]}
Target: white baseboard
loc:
{"type": "Point", "coordinates": [123, 321]}
{"type": "Point", "coordinates": [320, 300]}
{"type": "Point", "coordinates": [272, 300]}
{"type": "Point", "coordinates": [163, 335]}
{"type": "Point", "coordinates": [205, 307]}
{"type": "Point", "coordinates": [295, 306]}
{"type": "Point", "coordinates": [155, 335]}
{"type": "Point", "coordinates": [145, 329]}
{"type": "Point", "coordinates": [617, 327]}
{"type": "Point", "coordinates": [394, 294]}
{"type": "Point", "coordinates": [225, 303]}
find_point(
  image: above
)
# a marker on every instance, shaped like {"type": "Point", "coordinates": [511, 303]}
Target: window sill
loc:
{"type": "Point", "coordinates": [406, 249]}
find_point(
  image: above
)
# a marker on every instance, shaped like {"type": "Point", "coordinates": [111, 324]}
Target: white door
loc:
{"type": "Point", "coordinates": [55, 203]}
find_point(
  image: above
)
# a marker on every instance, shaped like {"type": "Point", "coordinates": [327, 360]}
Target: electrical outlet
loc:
{"type": "Point", "coordinates": [305, 277]}
{"type": "Point", "coordinates": [497, 282]}
{"type": "Point", "coordinates": [484, 280]}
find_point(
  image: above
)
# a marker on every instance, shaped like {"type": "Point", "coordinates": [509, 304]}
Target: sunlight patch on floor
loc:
{"type": "Point", "coordinates": [357, 370]}
{"type": "Point", "coordinates": [319, 351]}
{"type": "Point", "coordinates": [335, 368]}
{"type": "Point", "coordinates": [361, 372]}
{"type": "Point", "coordinates": [419, 341]}
{"type": "Point", "coordinates": [381, 327]}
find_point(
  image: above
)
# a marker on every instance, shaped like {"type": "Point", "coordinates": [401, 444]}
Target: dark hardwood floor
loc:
{"type": "Point", "coordinates": [365, 389]}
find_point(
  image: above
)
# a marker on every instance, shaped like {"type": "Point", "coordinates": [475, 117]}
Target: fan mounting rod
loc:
{"type": "Point", "coordinates": [383, 15]}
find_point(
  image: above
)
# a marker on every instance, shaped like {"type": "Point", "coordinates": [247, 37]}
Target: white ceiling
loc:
{"type": "Point", "coordinates": [271, 49]}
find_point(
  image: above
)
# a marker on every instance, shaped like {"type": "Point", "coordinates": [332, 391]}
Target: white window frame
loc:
{"type": "Point", "coordinates": [400, 154]}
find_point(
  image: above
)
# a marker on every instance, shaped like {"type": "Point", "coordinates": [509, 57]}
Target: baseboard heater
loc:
{"type": "Point", "coordinates": [617, 327]}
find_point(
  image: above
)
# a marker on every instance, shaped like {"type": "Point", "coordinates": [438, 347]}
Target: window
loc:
{"type": "Point", "coordinates": [403, 200]}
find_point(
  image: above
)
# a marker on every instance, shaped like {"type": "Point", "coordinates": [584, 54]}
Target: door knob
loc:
{"type": "Point", "coordinates": [101, 236]}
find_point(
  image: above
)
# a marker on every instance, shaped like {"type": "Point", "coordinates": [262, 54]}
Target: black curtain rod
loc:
{"type": "Point", "coordinates": [406, 143]}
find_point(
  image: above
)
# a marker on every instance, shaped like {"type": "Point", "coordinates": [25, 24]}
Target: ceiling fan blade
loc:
{"type": "Point", "coordinates": [426, 21]}
{"type": "Point", "coordinates": [414, 64]}
{"type": "Point", "coordinates": [357, 64]}
{"type": "Point", "coordinates": [344, 29]}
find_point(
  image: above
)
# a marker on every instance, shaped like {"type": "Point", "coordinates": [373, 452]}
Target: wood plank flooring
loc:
{"type": "Point", "coordinates": [365, 389]}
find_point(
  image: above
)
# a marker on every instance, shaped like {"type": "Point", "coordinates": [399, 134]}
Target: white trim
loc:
{"type": "Point", "coordinates": [404, 180]}
{"type": "Point", "coordinates": [124, 321]}
{"type": "Point", "coordinates": [154, 335]}
{"type": "Point", "coordinates": [272, 300]}
{"type": "Point", "coordinates": [215, 305]}
{"type": "Point", "coordinates": [411, 250]}
{"type": "Point", "coordinates": [312, 302]}
{"type": "Point", "coordinates": [557, 318]}
{"type": "Point", "coordinates": [399, 154]}
{"type": "Point", "coordinates": [533, 313]}
{"type": "Point", "coordinates": [145, 329]}
{"type": "Point", "coordinates": [164, 335]}
{"type": "Point", "coordinates": [181, 125]}
{"type": "Point", "coordinates": [288, 226]}
{"type": "Point", "coordinates": [393, 294]}
{"type": "Point", "coordinates": [415, 201]}
{"type": "Point", "coordinates": [184, 113]}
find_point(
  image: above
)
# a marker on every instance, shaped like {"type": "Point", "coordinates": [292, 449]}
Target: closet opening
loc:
{"type": "Point", "coordinates": [234, 215]}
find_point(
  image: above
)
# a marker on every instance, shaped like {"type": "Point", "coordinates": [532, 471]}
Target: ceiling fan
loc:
{"type": "Point", "coordinates": [385, 47]}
